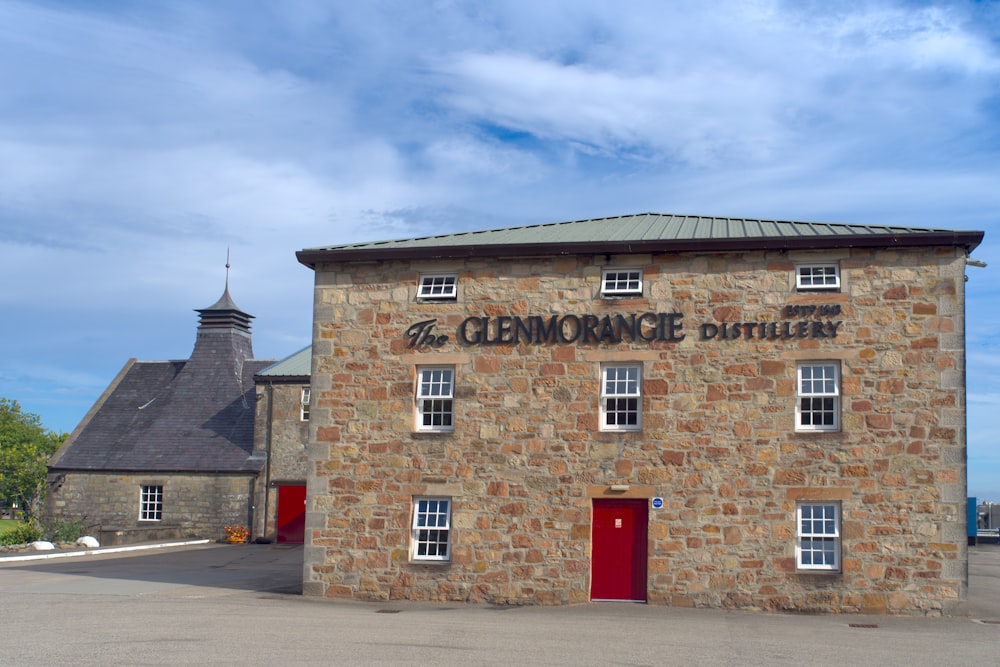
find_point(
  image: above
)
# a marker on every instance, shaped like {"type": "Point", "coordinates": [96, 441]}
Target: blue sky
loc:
{"type": "Point", "coordinates": [139, 141]}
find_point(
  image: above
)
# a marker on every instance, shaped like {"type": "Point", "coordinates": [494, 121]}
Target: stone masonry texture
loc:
{"type": "Point", "coordinates": [718, 441]}
{"type": "Point", "coordinates": [280, 437]}
{"type": "Point", "coordinates": [198, 505]}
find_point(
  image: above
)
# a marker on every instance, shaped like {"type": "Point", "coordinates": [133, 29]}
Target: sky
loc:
{"type": "Point", "coordinates": [141, 142]}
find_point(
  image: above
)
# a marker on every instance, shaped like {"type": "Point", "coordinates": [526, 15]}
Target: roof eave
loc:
{"type": "Point", "coordinates": [281, 379]}
{"type": "Point", "coordinates": [965, 239]}
{"type": "Point", "coordinates": [152, 470]}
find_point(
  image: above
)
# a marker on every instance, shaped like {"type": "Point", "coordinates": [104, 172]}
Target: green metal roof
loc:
{"type": "Point", "coordinates": [298, 365]}
{"type": "Point", "coordinates": [646, 232]}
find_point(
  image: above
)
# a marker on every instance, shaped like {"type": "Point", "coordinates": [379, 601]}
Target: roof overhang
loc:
{"type": "Point", "coordinates": [968, 240]}
{"type": "Point", "coordinates": [281, 379]}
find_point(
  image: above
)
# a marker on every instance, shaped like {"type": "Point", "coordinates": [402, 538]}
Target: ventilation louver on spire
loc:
{"type": "Point", "coordinates": [224, 314]}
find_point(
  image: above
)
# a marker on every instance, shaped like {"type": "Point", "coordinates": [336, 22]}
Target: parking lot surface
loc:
{"type": "Point", "coordinates": [240, 604]}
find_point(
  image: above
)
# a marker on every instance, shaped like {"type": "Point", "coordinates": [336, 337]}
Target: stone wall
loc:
{"type": "Point", "coordinates": [718, 442]}
{"type": "Point", "coordinates": [197, 505]}
{"type": "Point", "coordinates": [280, 433]}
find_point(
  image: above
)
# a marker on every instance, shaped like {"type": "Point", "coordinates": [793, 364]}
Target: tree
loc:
{"type": "Point", "coordinates": [25, 448]}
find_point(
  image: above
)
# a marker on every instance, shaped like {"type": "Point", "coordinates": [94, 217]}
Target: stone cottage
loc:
{"type": "Point", "coordinates": [168, 449]}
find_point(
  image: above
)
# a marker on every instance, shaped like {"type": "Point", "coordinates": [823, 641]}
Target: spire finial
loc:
{"type": "Point", "coordinates": [227, 268]}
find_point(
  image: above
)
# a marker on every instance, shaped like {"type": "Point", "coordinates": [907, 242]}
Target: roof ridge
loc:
{"type": "Point", "coordinates": [645, 232]}
{"type": "Point", "coordinates": [684, 217]}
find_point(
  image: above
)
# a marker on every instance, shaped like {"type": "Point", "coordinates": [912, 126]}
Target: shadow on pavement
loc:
{"type": "Point", "coordinates": [264, 568]}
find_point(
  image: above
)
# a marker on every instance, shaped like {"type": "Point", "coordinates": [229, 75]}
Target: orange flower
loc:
{"type": "Point", "coordinates": [236, 533]}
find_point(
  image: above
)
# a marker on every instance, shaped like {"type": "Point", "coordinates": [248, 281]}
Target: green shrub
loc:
{"type": "Point", "coordinates": [64, 530]}
{"type": "Point", "coordinates": [22, 534]}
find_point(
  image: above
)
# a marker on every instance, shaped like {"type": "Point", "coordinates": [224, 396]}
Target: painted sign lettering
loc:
{"type": "Point", "coordinates": [632, 328]}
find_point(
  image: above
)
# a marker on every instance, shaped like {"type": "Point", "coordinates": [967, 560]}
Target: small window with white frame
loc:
{"type": "Point", "coordinates": [306, 400]}
{"type": "Point", "coordinates": [436, 398]}
{"type": "Point", "coordinates": [438, 287]}
{"type": "Point", "coordinates": [430, 538]}
{"type": "Point", "coordinates": [817, 406]}
{"type": "Point", "coordinates": [817, 536]}
{"type": "Point", "coordinates": [621, 282]}
{"type": "Point", "coordinates": [151, 502]}
{"type": "Point", "coordinates": [621, 397]}
{"type": "Point", "coordinates": [817, 277]}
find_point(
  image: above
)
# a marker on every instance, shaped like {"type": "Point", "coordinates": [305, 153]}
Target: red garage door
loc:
{"type": "Point", "coordinates": [291, 524]}
{"type": "Point", "coordinates": [618, 549]}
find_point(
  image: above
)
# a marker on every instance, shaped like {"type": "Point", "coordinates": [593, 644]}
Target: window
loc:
{"type": "Point", "coordinates": [151, 503]}
{"type": "Point", "coordinates": [818, 406]}
{"type": "Point", "coordinates": [435, 399]}
{"type": "Point", "coordinates": [620, 398]}
{"type": "Point", "coordinates": [438, 287]}
{"type": "Point", "coordinates": [306, 399]}
{"type": "Point", "coordinates": [817, 536]}
{"type": "Point", "coordinates": [431, 537]}
{"type": "Point", "coordinates": [817, 277]}
{"type": "Point", "coordinates": [620, 282]}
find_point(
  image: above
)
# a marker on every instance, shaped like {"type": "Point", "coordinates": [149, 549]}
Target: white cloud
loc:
{"type": "Point", "coordinates": [758, 89]}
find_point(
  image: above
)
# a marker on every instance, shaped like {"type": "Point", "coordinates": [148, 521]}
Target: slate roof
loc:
{"type": "Point", "coordinates": [175, 416]}
{"type": "Point", "coordinates": [646, 232]}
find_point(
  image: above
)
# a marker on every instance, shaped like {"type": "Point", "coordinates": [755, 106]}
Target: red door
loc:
{"type": "Point", "coordinates": [291, 523]}
{"type": "Point", "coordinates": [618, 549]}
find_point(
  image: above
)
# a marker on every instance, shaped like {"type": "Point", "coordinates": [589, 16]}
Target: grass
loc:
{"type": "Point", "coordinates": [7, 525]}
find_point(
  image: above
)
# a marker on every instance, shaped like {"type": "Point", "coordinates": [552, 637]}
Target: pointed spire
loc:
{"type": "Point", "coordinates": [224, 313]}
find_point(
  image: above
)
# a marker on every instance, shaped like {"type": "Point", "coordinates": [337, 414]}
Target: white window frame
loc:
{"type": "Point", "coordinates": [435, 399]}
{"type": "Point", "coordinates": [817, 537]}
{"type": "Point", "coordinates": [430, 529]}
{"type": "Point", "coordinates": [438, 287]}
{"type": "Point", "coordinates": [306, 401]}
{"type": "Point", "coordinates": [621, 282]}
{"type": "Point", "coordinates": [817, 396]}
{"type": "Point", "coordinates": [817, 277]}
{"type": "Point", "coordinates": [151, 502]}
{"type": "Point", "coordinates": [621, 396]}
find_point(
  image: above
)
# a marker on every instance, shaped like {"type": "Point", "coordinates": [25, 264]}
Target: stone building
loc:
{"type": "Point", "coordinates": [281, 433]}
{"type": "Point", "coordinates": [678, 410]}
{"type": "Point", "coordinates": [168, 449]}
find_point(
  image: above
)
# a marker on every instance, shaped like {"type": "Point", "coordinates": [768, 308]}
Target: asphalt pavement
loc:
{"type": "Point", "coordinates": [213, 604]}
